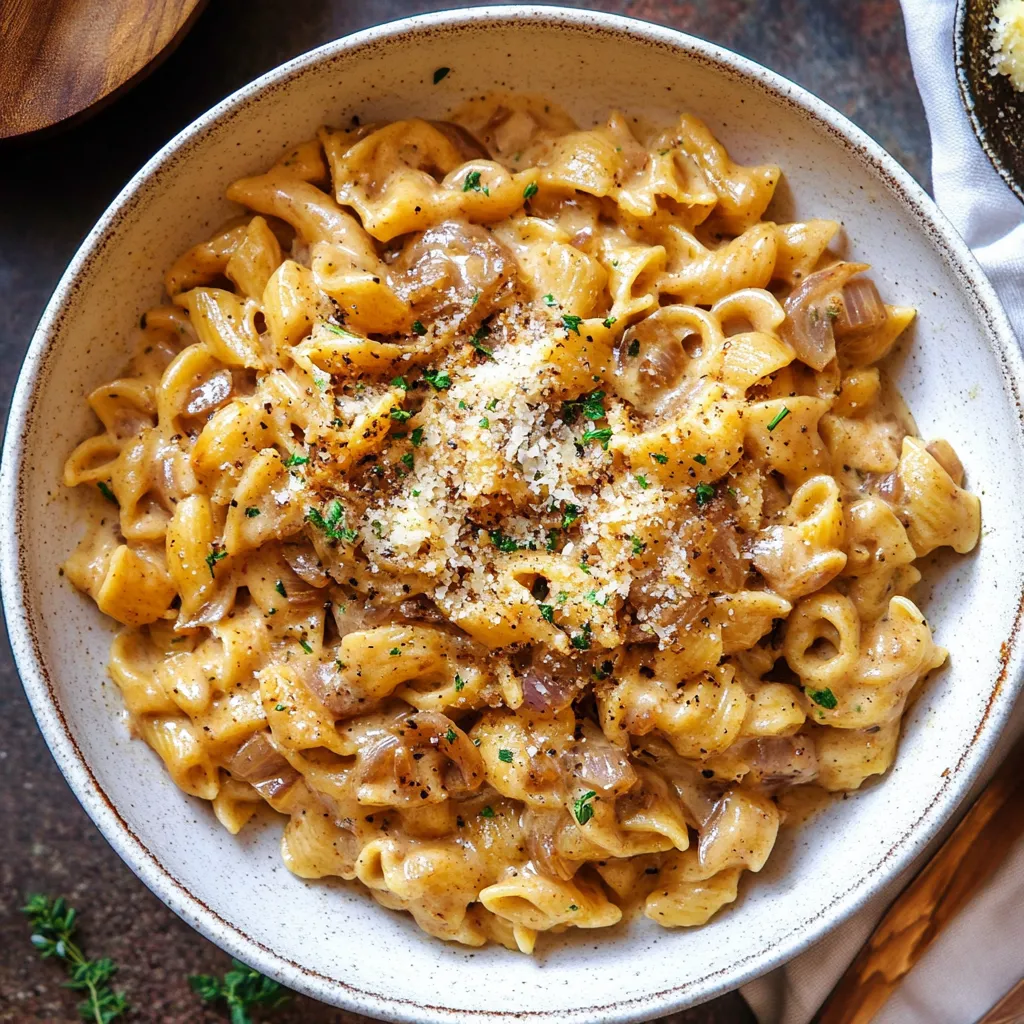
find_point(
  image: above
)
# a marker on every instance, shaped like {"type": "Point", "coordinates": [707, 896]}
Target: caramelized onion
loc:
{"type": "Point", "coordinates": [598, 762]}
{"type": "Point", "coordinates": [541, 828]}
{"type": "Point", "coordinates": [257, 760]}
{"type": "Point", "coordinates": [325, 682]}
{"type": "Point", "coordinates": [440, 271]}
{"type": "Point", "coordinates": [945, 455]}
{"type": "Point", "coordinates": [209, 393]}
{"type": "Point", "coordinates": [861, 310]}
{"type": "Point", "coordinates": [783, 761]}
{"type": "Point", "coordinates": [810, 310]}
{"type": "Point", "coordinates": [550, 682]}
{"type": "Point", "coordinates": [305, 564]}
{"type": "Point", "coordinates": [468, 145]}
{"type": "Point", "coordinates": [421, 609]}
{"type": "Point", "coordinates": [649, 379]}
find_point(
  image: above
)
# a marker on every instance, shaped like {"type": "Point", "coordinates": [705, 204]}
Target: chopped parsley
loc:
{"type": "Point", "coordinates": [279, 587]}
{"type": "Point", "coordinates": [501, 542]}
{"type": "Point", "coordinates": [450, 735]}
{"type": "Point", "coordinates": [107, 492]}
{"type": "Point", "coordinates": [305, 646]}
{"type": "Point", "coordinates": [460, 683]}
{"type": "Point", "coordinates": [530, 191]}
{"type": "Point", "coordinates": [478, 338]}
{"type": "Point", "coordinates": [417, 436]}
{"type": "Point", "coordinates": [400, 415]}
{"type": "Point", "coordinates": [394, 652]}
{"type": "Point", "coordinates": [252, 512]}
{"type": "Point", "coordinates": [583, 807]}
{"type": "Point", "coordinates": [704, 493]}
{"type": "Point", "coordinates": [213, 558]}
{"type": "Point", "coordinates": [552, 541]}
{"type": "Point", "coordinates": [487, 812]}
{"type": "Point", "coordinates": [584, 567]}
{"type": "Point", "coordinates": [701, 459]}
{"type": "Point", "coordinates": [331, 524]}
{"type": "Point", "coordinates": [591, 407]}
{"type": "Point", "coordinates": [335, 329]}
{"type": "Point", "coordinates": [608, 321]}
{"type": "Point", "coordinates": [642, 481]}
{"type": "Point", "coordinates": [397, 382]}
{"type": "Point", "coordinates": [549, 300]}
{"type": "Point", "coordinates": [778, 418]}
{"type": "Point", "coordinates": [485, 423]}
{"type": "Point", "coordinates": [639, 547]}
{"type": "Point", "coordinates": [581, 640]}
{"type": "Point", "coordinates": [572, 323]}
{"type": "Point", "coordinates": [547, 612]}
{"type": "Point", "coordinates": [570, 513]}
{"type": "Point", "coordinates": [603, 436]}
{"type": "Point", "coordinates": [418, 328]}
{"type": "Point", "coordinates": [407, 461]}
{"type": "Point", "coordinates": [472, 183]}
{"type": "Point", "coordinates": [505, 755]}
{"type": "Point", "coordinates": [826, 698]}
{"type": "Point", "coordinates": [591, 596]}
{"type": "Point", "coordinates": [634, 349]}
{"type": "Point", "coordinates": [659, 458]}
{"type": "Point", "coordinates": [491, 405]}
{"type": "Point", "coordinates": [279, 707]}
{"type": "Point", "coordinates": [378, 529]}
{"type": "Point", "coordinates": [440, 73]}
{"type": "Point", "coordinates": [438, 379]}
{"type": "Point", "coordinates": [296, 460]}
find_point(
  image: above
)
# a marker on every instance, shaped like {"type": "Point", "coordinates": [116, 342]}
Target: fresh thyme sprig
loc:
{"type": "Point", "coordinates": [241, 989]}
{"type": "Point", "coordinates": [53, 927]}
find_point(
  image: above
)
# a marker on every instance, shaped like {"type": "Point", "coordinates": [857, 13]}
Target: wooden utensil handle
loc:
{"type": "Point", "coordinates": [968, 857]}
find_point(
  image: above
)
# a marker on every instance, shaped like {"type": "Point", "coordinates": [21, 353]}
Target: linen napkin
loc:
{"type": "Point", "coordinates": [980, 956]}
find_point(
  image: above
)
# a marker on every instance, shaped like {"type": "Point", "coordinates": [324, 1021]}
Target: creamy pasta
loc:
{"type": "Point", "coordinates": [519, 512]}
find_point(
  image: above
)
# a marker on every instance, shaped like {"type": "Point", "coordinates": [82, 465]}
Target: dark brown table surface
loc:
{"type": "Point", "coordinates": [852, 53]}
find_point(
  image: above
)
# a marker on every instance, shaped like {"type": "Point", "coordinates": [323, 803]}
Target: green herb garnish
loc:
{"type": "Point", "coordinates": [438, 379]}
{"type": "Point", "coordinates": [440, 73]}
{"type": "Point", "coordinates": [505, 755]}
{"type": "Point", "coordinates": [547, 612]}
{"type": "Point", "coordinates": [417, 436]}
{"type": "Point", "coordinates": [331, 523]}
{"type": "Point", "coordinates": [778, 418]}
{"type": "Point", "coordinates": [418, 328]}
{"type": "Point", "coordinates": [583, 808]}
{"type": "Point", "coordinates": [487, 812]}
{"type": "Point", "coordinates": [501, 542]}
{"type": "Point", "coordinates": [400, 415]}
{"type": "Point", "coordinates": [530, 191]}
{"type": "Point", "coordinates": [826, 698]}
{"type": "Point", "coordinates": [608, 321]}
{"type": "Point", "coordinates": [704, 493]}
{"type": "Point", "coordinates": [241, 989]}
{"type": "Point", "coordinates": [213, 558]}
{"type": "Point", "coordinates": [572, 323]}
{"type": "Point", "coordinates": [642, 481]}
{"type": "Point", "coordinates": [53, 927]}
{"type": "Point", "coordinates": [252, 512]}
{"type": "Point", "coordinates": [581, 640]}
{"type": "Point", "coordinates": [296, 460]}
{"type": "Point", "coordinates": [603, 435]}
{"type": "Point", "coordinates": [279, 587]}
{"type": "Point", "coordinates": [107, 492]}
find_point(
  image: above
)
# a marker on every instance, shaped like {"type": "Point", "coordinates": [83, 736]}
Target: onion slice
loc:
{"type": "Point", "coordinates": [861, 311]}
{"type": "Point", "coordinates": [810, 311]}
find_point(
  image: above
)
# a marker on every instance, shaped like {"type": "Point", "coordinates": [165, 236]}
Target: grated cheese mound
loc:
{"type": "Point", "coordinates": [1008, 42]}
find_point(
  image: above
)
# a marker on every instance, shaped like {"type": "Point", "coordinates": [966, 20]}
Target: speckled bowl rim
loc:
{"type": "Point", "coordinates": [131, 847]}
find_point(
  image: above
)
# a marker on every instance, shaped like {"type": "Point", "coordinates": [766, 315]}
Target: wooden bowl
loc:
{"type": "Point", "coordinates": [60, 58]}
{"type": "Point", "coordinates": [995, 108]}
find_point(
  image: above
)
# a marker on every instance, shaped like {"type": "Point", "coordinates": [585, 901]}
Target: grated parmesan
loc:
{"type": "Point", "coordinates": [1008, 42]}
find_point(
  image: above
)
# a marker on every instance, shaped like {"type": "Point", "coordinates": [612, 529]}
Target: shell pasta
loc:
{"type": "Point", "coordinates": [522, 513]}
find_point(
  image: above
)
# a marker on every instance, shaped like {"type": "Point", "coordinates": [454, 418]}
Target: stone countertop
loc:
{"type": "Point", "coordinates": [853, 55]}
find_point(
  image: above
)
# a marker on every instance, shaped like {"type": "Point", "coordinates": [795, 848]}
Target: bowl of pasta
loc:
{"type": "Point", "coordinates": [464, 505]}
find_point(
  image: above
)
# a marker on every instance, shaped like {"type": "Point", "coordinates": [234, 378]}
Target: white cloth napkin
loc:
{"type": "Point", "coordinates": [980, 956]}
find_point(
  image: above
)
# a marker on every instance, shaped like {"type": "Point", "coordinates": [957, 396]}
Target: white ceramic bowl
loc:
{"type": "Point", "coordinates": [962, 377]}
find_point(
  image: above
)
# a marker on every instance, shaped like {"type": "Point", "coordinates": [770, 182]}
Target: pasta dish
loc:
{"type": "Point", "coordinates": [520, 512]}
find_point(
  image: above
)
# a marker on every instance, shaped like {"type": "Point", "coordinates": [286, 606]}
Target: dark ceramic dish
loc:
{"type": "Point", "coordinates": [995, 108]}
